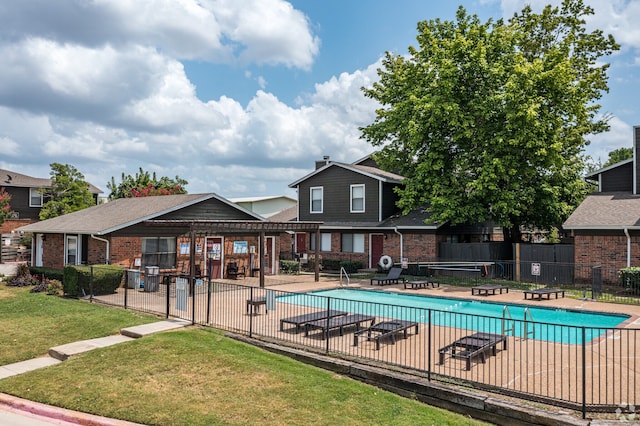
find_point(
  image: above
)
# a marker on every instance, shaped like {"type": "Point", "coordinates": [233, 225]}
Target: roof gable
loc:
{"type": "Point", "coordinates": [368, 171]}
{"type": "Point", "coordinates": [124, 212]}
{"type": "Point", "coordinates": [615, 210]}
{"type": "Point", "coordinates": [9, 178]}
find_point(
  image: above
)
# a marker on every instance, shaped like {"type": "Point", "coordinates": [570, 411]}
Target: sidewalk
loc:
{"type": "Point", "coordinates": [33, 413]}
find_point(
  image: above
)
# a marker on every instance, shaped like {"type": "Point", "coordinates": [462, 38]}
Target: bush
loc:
{"type": "Point", "coordinates": [290, 267]}
{"type": "Point", "coordinates": [104, 279]}
{"type": "Point", "coordinates": [49, 273]}
{"type": "Point", "coordinates": [23, 277]}
{"type": "Point", "coordinates": [630, 278]}
{"type": "Point", "coordinates": [331, 264]}
{"type": "Point", "coordinates": [350, 266]}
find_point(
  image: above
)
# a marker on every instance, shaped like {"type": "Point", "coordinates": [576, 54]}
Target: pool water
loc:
{"type": "Point", "coordinates": [556, 325]}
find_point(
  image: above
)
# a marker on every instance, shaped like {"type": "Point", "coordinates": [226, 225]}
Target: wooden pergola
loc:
{"type": "Point", "coordinates": [261, 228]}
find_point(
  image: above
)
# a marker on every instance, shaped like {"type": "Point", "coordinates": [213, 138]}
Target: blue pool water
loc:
{"type": "Point", "coordinates": [556, 325]}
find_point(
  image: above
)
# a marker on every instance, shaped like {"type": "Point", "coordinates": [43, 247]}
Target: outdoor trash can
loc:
{"type": "Point", "coordinates": [151, 278]}
{"type": "Point", "coordinates": [133, 278]}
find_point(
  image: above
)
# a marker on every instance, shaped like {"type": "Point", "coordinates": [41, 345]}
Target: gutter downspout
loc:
{"type": "Point", "coordinates": [395, 229]}
{"type": "Point", "coordinates": [107, 261]}
{"type": "Point", "coordinates": [626, 232]}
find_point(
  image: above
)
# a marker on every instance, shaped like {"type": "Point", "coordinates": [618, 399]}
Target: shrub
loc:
{"type": "Point", "coordinates": [80, 280]}
{"type": "Point", "coordinates": [49, 273]}
{"type": "Point", "coordinates": [331, 264]}
{"type": "Point", "coordinates": [630, 278]}
{"type": "Point", "coordinates": [23, 277]}
{"type": "Point", "coordinates": [290, 267]}
{"type": "Point", "coordinates": [350, 266]}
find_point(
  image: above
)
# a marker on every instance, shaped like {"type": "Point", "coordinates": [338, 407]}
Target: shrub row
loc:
{"type": "Point", "coordinates": [105, 279]}
{"type": "Point", "coordinates": [335, 265]}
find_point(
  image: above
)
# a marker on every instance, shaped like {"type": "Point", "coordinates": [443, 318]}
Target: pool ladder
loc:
{"type": "Point", "coordinates": [508, 324]}
{"type": "Point", "coordinates": [344, 271]}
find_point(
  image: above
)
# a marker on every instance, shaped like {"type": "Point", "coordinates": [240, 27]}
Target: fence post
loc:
{"type": "Point", "coordinates": [91, 285]}
{"type": "Point", "coordinates": [251, 313]}
{"type": "Point", "coordinates": [327, 325]}
{"type": "Point", "coordinates": [193, 300]}
{"type": "Point", "coordinates": [429, 345]}
{"type": "Point", "coordinates": [584, 373]}
{"type": "Point", "coordinates": [167, 279]}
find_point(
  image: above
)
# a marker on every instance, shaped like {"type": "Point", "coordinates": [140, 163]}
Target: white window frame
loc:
{"type": "Point", "coordinates": [325, 242]}
{"type": "Point", "coordinates": [67, 245]}
{"type": "Point", "coordinates": [352, 198]}
{"type": "Point", "coordinates": [37, 194]}
{"type": "Point", "coordinates": [357, 243]}
{"type": "Point", "coordinates": [311, 199]}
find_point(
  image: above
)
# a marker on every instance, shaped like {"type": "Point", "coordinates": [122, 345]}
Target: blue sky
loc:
{"type": "Point", "coordinates": [238, 97]}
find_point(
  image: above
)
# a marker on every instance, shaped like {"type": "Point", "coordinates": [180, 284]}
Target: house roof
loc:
{"type": "Point", "coordinates": [417, 218]}
{"type": "Point", "coordinates": [372, 172]}
{"type": "Point", "coordinates": [614, 210]}
{"type": "Point", "coordinates": [265, 198]}
{"type": "Point", "coordinates": [594, 174]}
{"type": "Point", "coordinates": [121, 213]}
{"type": "Point", "coordinates": [9, 178]}
{"type": "Point", "coordinates": [285, 215]}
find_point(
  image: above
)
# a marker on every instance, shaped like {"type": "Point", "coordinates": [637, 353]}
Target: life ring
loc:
{"type": "Point", "coordinates": [386, 262]}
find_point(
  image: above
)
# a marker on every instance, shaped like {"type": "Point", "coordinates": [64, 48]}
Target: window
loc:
{"type": "Point", "coordinates": [159, 251]}
{"type": "Point", "coordinates": [353, 243]}
{"type": "Point", "coordinates": [316, 199]}
{"type": "Point", "coordinates": [325, 242]}
{"type": "Point", "coordinates": [35, 197]}
{"type": "Point", "coordinates": [71, 250]}
{"type": "Point", "coordinates": [357, 198]}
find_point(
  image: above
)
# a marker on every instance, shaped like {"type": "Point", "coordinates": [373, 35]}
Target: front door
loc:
{"type": "Point", "coordinates": [377, 249]}
{"type": "Point", "coordinates": [301, 243]}
{"type": "Point", "coordinates": [39, 249]}
{"type": "Point", "coordinates": [214, 257]}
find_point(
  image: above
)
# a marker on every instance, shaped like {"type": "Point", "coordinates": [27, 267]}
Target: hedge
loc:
{"type": "Point", "coordinates": [630, 278]}
{"type": "Point", "coordinates": [77, 280]}
{"type": "Point", "coordinates": [49, 273]}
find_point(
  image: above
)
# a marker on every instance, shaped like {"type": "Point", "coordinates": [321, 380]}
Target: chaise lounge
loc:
{"type": "Point", "coordinates": [540, 292]}
{"type": "Point", "coordinates": [474, 346]}
{"type": "Point", "coordinates": [386, 329]}
{"type": "Point", "coordinates": [300, 320]}
{"type": "Point", "coordinates": [393, 277]}
{"type": "Point", "coordinates": [340, 322]}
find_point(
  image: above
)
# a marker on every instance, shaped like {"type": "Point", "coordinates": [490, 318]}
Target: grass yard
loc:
{"type": "Point", "coordinates": [31, 323]}
{"type": "Point", "coordinates": [199, 377]}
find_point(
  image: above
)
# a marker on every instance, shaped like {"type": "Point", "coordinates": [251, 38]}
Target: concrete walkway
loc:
{"type": "Point", "coordinates": [10, 405]}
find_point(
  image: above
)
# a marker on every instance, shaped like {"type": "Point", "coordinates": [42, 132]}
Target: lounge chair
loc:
{"type": "Point", "coordinates": [300, 320]}
{"type": "Point", "coordinates": [340, 322]}
{"type": "Point", "coordinates": [386, 329]}
{"type": "Point", "coordinates": [393, 277]}
{"type": "Point", "coordinates": [538, 293]}
{"type": "Point", "coordinates": [488, 289]}
{"type": "Point", "coordinates": [474, 346]}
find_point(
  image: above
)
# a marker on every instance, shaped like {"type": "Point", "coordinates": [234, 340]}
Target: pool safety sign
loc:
{"type": "Point", "coordinates": [535, 269]}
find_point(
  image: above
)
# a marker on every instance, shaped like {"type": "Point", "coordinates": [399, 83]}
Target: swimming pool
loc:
{"type": "Point", "coordinates": [556, 325]}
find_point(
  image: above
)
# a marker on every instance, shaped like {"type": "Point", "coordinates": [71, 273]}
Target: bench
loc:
{"type": "Point", "coordinates": [476, 345]}
{"type": "Point", "coordinates": [540, 292]}
{"type": "Point", "coordinates": [488, 289]}
{"type": "Point", "coordinates": [420, 284]}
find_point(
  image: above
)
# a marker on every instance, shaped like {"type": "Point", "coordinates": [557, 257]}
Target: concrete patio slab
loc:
{"type": "Point", "coordinates": [155, 327]}
{"type": "Point", "coordinates": [63, 352]}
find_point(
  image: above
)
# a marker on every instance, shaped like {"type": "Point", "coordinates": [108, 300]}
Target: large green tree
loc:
{"type": "Point", "coordinates": [69, 192]}
{"type": "Point", "coordinates": [488, 120]}
{"type": "Point", "coordinates": [144, 184]}
{"type": "Point", "coordinates": [618, 155]}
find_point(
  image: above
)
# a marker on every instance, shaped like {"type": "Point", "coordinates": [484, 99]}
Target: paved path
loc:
{"type": "Point", "coordinates": [22, 412]}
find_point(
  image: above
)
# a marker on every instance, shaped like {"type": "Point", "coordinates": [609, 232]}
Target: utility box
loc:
{"type": "Point", "coordinates": [151, 278]}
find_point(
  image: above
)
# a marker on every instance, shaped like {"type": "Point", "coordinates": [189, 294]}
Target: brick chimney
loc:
{"type": "Point", "coordinates": [325, 160]}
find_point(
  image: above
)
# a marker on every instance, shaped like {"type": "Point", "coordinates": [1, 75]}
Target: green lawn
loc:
{"type": "Point", "coordinates": [31, 323]}
{"type": "Point", "coordinates": [195, 376]}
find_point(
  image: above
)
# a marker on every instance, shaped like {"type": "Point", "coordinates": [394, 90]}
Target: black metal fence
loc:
{"type": "Point", "coordinates": [586, 368]}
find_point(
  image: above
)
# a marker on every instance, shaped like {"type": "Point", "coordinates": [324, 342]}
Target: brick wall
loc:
{"type": "Point", "coordinates": [11, 224]}
{"type": "Point", "coordinates": [53, 251]}
{"type": "Point", "coordinates": [124, 251]}
{"type": "Point", "coordinates": [606, 250]}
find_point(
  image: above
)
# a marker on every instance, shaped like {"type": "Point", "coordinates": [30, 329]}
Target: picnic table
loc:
{"type": "Point", "coordinates": [474, 346]}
